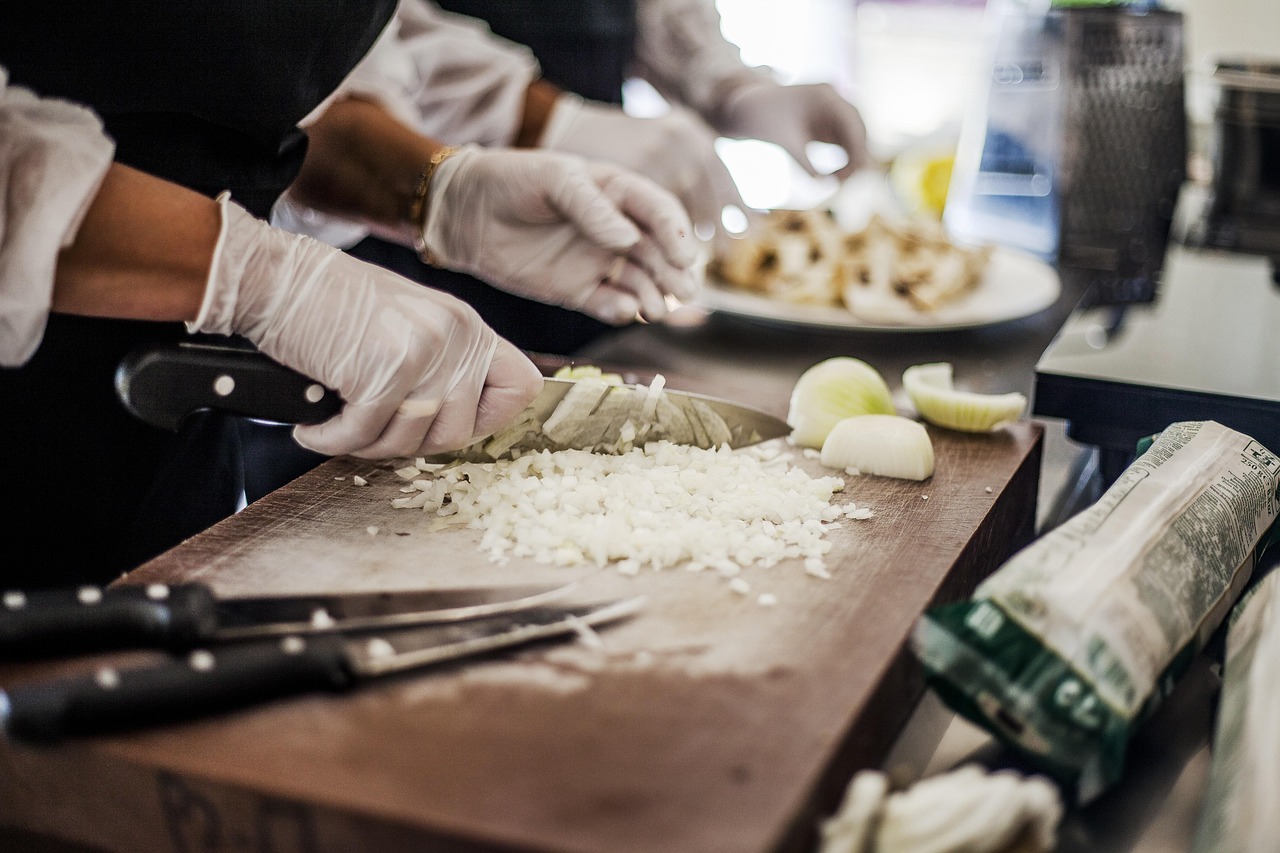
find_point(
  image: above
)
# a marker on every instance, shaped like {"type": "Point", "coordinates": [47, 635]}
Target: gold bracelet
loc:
{"type": "Point", "coordinates": [418, 207]}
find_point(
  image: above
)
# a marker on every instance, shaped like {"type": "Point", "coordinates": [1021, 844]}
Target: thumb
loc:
{"type": "Point", "coordinates": [796, 148]}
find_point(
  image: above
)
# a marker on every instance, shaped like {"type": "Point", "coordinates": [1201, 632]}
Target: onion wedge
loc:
{"type": "Point", "coordinates": [884, 445]}
{"type": "Point", "coordinates": [831, 391]}
{"type": "Point", "coordinates": [931, 391]}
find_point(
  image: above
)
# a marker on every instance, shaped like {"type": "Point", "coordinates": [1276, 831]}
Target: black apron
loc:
{"type": "Point", "coordinates": [207, 94]}
{"type": "Point", "coordinates": [583, 46]}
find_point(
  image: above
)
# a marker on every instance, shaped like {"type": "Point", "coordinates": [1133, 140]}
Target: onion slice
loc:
{"type": "Point", "coordinates": [931, 391]}
{"type": "Point", "coordinates": [830, 391]}
{"type": "Point", "coordinates": [884, 445]}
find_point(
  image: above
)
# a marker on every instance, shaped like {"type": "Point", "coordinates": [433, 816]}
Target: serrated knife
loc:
{"type": "Point", "coordinates": [57, 622]}
{"type": "Point", "coordinates": [209, 681]}
{"type": "Point", "coordinates": [164, 384]}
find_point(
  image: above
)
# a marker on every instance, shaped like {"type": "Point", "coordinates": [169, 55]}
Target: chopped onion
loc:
{"type": "Point", "coordinates": [653, 507]}
{"type": "Point", "coordinates": [932, 393]}
{"type": "Point", "coordinates": [830, 391]}
{"type": "Point", "coordinates": [884, 445]}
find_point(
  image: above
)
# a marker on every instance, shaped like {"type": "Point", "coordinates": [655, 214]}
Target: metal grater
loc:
{"type": "Point", "coordinates": [1124, 146]}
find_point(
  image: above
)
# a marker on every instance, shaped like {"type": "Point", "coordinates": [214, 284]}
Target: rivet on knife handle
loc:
{"type": "Point", "coordinates": [162, 385]}
{"type": "Point", "coordinates": [57, 622]}
{"type": "Point", "coordinates": [205, 682]}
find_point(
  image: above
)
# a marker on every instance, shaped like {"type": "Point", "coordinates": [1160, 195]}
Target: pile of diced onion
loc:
{"type": "Point", "coordinates": [659, 506]}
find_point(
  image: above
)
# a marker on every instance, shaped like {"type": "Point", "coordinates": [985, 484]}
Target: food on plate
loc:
{"type": "Point", "coordinates": [829, 392]}
{"type": "Point", "coordinates": [968, 809]}
{"type": "Point", "coordinates": [884, 445]}
{"type": "Point", "coordinates": [892, 272]}
{"type": "Point", "coordinates": [935, 397]}
{"type": "Point", "coordinates": [896, 271]}
{"type": "Point", "coordinates": [791, 255]}
{"type": "Point", "coordinates": [1074, 641]}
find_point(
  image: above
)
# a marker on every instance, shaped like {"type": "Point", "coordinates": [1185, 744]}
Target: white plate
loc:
{"type": "Point", "coordinates": [1015, 285]}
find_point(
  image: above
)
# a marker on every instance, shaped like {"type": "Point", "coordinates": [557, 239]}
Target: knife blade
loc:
{"type": "Point", "coordinates": [56, 622]}
{"type": "Point", "coordinates": [243, 674]}
{"type": "Point", "coordinates": [163, 384]}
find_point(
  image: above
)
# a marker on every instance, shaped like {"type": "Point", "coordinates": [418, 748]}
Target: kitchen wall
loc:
{"type": "Point", "coordinates": [1218, 27]}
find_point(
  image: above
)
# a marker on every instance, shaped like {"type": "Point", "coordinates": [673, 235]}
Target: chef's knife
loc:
{"type": "Point", "coordinates": [235, 676]}
{"type": "Point", "coordinates": [56, 622]}
{"type": "Point", "coordinates": [163, 384]}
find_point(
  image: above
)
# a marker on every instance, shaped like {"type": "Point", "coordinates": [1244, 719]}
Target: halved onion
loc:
{"type": "Point", "coordinates": [931, 391]}
{"type": "Point", "coordinates": [830, 391]}
{"type": "Point", "coordinates": [884, 445]}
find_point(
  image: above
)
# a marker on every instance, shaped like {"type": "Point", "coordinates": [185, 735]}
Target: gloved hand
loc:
{"type": "Point", "coordinates": [676, 150]}
{"type": "Point", "coordinates": [553, 227]}
{"type": "Point", "coordinates": [418, 369]}
{"type": "Point", "coordinates": [791, 116]}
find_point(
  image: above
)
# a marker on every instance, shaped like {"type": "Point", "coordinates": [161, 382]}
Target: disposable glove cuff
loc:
{"type": "Point", "coordinates": [436, 231]}
{"type": "Point", "coordinates": [217, 309]}
{"type": "Point", "coordinates": [564, 116]}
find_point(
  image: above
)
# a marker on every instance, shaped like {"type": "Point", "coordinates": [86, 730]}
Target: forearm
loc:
{"type": "Point", "coordinates": [363, 164]}
{"type": "Point", "coordinates": [142, 252]}
{"type": "Point", "coordinates": [539, 104]}
{"type": "Point", "coordinates": [681, 51]}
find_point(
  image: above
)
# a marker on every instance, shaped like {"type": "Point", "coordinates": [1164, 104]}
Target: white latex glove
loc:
{"type": "Point", "coordinates": [553, 227]}
{"type": "Point", "coordinates": [419, 371]}
{"type": "Point", "coordinates": [676, 150]}
{"type": "Point", "coordinates": [792, 116]}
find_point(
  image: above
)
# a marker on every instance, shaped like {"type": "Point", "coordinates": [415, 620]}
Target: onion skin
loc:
{"type": "Point", "coordinates": [830, 391]}
{"type": "Point", "coordinates": [931, 391]}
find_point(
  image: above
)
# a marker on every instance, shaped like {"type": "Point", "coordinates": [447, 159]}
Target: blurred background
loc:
{"type": "Point", "coordinates": [914, 67]}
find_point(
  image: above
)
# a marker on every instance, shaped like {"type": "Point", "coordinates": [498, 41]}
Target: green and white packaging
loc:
{"type": "Point", "coordinates": [1074, 641]}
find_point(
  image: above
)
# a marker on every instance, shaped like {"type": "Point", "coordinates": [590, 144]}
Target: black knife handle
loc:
{"type": "Point", "coordinates": [60, 622]}
{"type": "Point", "coordinates": [203, 683]}
{"type": "Point", "coordinates": [163, 384]}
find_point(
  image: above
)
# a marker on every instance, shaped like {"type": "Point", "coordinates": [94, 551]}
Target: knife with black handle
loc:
{"type": "Point", "coordinates": [49, 623]}
{"type": "Point", "coordinates": [209, 681]}
{"type": "Point", "coordinates": [206, 682]}
{"type": "Point", "coordinates": [162, 385]}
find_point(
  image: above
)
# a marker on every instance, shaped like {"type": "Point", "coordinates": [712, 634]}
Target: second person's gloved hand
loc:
{"type": "Point", "coordinates": [793, 116]}
{"type": "Point", "coordinates": [553, 227]}
{"type": "Point", "coordinates": [419, 371]}
{"type": "Point", "coordinates": [676, 149]}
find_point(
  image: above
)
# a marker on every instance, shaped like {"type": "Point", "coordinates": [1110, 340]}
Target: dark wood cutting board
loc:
{"type": "Point", "coordinates": [707, 723]}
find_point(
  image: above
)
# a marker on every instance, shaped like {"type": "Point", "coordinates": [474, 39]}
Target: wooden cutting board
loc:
{"type": "Point", "coordinates": [707, 723]}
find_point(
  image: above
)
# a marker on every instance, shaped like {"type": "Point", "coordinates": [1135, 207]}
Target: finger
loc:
{"type": "Point", "coordinates": [655, 210]}
{"type": "Point", "coordinates": [453, 428]}
{"type": "Point", "coordinates": [584, 204]}
{"type": "Point", "coordinates": [612, 306]}
{"type": "Point", "coordinates": [354, 429]}
{"type": "Point", "coordinates": [637, 281]}
{"type": "Point", "coordinates": [713, 189]}
{"type": "Point", "coordinates": [648, 258]}
{"type": "Point", "coordinates": [511, 384]}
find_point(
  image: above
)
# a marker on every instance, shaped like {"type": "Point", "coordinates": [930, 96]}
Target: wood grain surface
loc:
{"type": "Point", "coordinates": [706, 723]}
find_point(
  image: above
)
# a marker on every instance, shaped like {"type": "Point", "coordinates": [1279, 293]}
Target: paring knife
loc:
{"type": "Point", "coordinates": [58, 622]}
{"type": "Point", "coordinates": [230, 677]}
{"type": "Point", "coordinates": [165, 383]}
